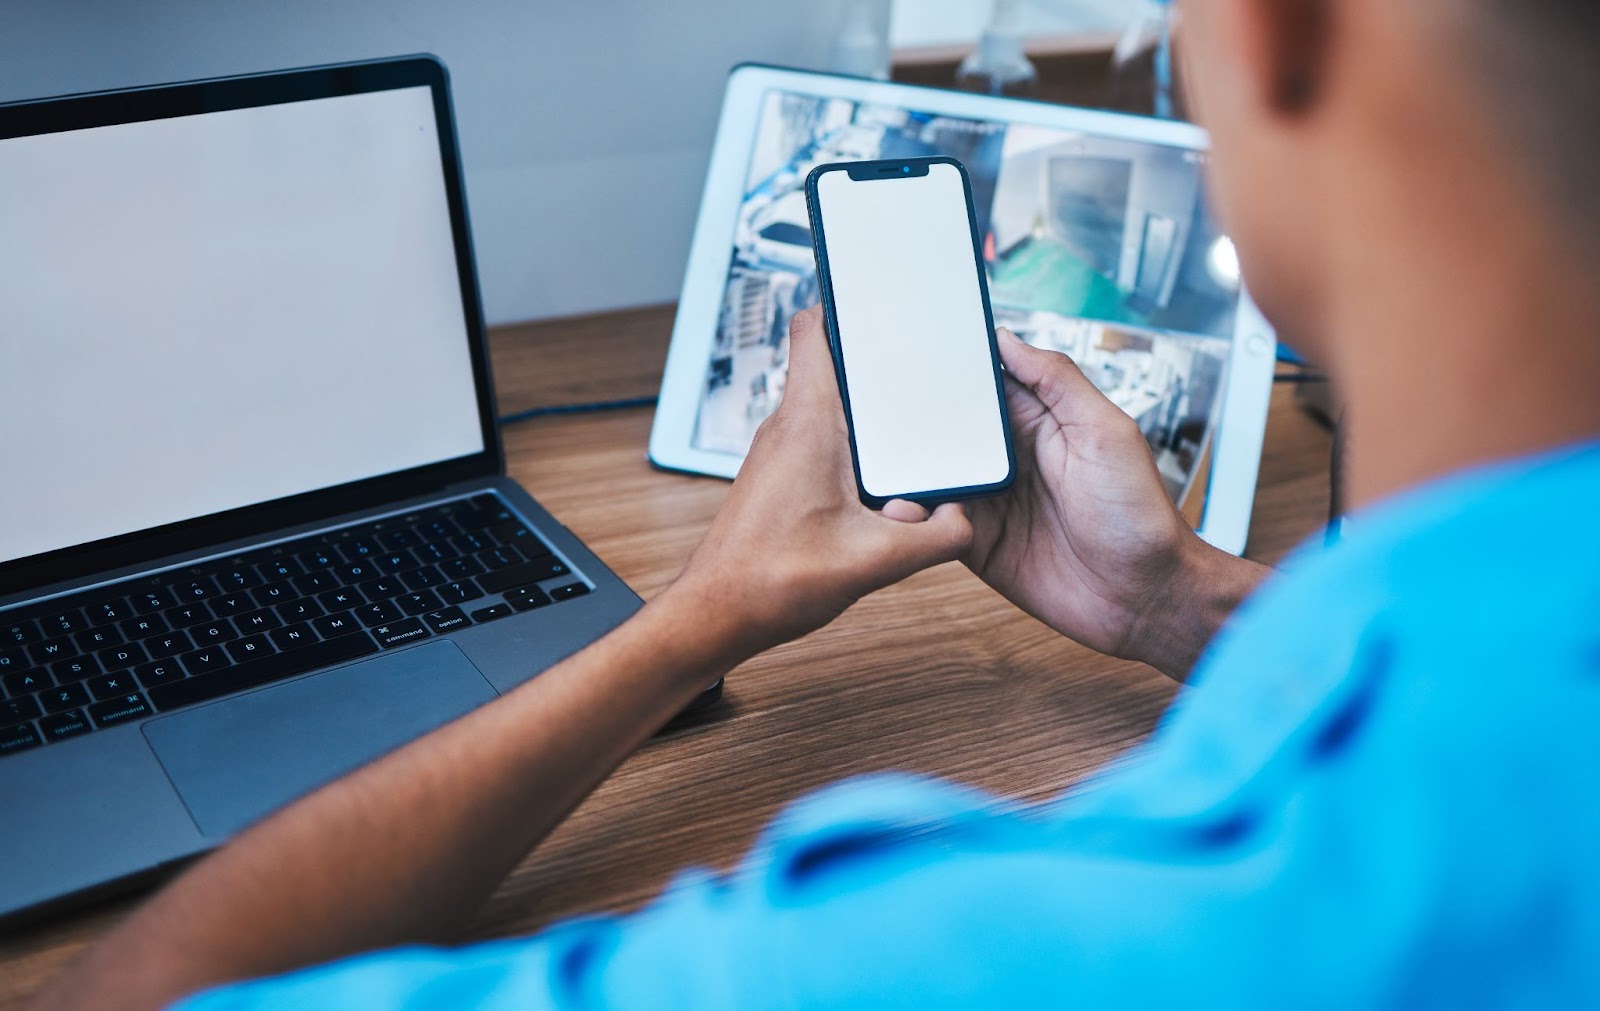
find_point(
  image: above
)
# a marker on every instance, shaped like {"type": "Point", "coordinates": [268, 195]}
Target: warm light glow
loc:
{"type": "Point", "coordinates": [1223, 263]}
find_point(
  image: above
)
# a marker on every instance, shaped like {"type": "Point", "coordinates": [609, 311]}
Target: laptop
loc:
{"type": "Point", "coordinates": [255, 527]}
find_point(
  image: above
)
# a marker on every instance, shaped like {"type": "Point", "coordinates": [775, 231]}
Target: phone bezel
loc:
{"type": "Point", "coordinates": [886, 172]}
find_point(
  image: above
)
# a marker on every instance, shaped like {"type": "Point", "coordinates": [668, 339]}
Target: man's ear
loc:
{"type": "Point", "coordinates": [1289, 44]}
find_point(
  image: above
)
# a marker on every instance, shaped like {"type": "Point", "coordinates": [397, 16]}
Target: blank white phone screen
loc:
{"type": "Point", "coordinates": [912, 333]}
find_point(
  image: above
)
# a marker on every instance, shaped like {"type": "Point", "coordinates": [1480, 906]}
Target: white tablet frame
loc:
{"type": "Point", "coordinates": [1236, 450]}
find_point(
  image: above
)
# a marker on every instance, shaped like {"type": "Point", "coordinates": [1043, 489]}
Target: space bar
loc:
{"type": "Point", "coordinates": [264, 671]}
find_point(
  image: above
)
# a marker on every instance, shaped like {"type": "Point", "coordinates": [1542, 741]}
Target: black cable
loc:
{"type": "Point", "coordinates": [589, 408]}
{"type": "Point", "coordinates": [1299, 377]}
{"type": "Point", "coordinates": [1336, 482]}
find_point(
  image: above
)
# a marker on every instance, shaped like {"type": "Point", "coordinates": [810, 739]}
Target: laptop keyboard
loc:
{"type": "Point", "coordinates": [122, 652]}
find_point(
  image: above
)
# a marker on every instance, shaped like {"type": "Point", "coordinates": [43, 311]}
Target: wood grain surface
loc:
{"type": "Point", "coordinates": [938, 675]}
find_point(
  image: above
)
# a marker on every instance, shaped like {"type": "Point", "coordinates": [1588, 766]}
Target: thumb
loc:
{"type": "Point", "coordinates": [1054, 378]}
{"type": "Point", "coordinates": [944, 535]}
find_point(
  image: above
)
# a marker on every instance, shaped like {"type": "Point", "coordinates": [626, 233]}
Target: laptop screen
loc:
{"type": "Point", "coordinates": [210, 311]}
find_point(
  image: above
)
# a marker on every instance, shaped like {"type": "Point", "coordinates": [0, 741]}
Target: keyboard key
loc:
{"type": "Point", "coordinates": [158, 672]}
{"type": "Point", "coordinates": [418, 579]}
{"type": "Point", "coordinates": [264, 620]}
{"type": "Point", "coordinates": [200, 589]}
{"type": "Point", "coordinates": [234, 578]}
{"type": "Point", "coordinates": [379, 613]}
{"type": "Point", "coordinates": [569, 591]}
{"type": "Point", "coordinates": [398, 538]}
{"type": "Point", "coordinates": [539, 569]}
{"type": "Point", "coordinates": [317, 558]}
{"type": "Point", "coordinates": [396, 561]}
{"type": "Point", "coordinates": [232, 603]}
{"type": "Point", "coordinates": [437, 529]}
{"type": "Point", "coordinates": [431, 554]}
{"type": "Point", "coordinates": [447, 620]}
{"type": "Point", "coordinates": [508, 531]}
{"type": "Point", "coordinates": [341, 600]}
{"type": "Point", "coordinates": [212, 632]}
{"type": "Point", "coordinates": [251, 647]}
{"type": "Point", "coordinates": [49, 651]}
{"type": "Point", "coordinates": [64, 725]}
{"type": "Point", "coordinates": [204, 661]}
{"type": "Point", "coordinates": [313, 583]}
{"type": "Point", "coordinates": [152, 600]}
{"type": "Point", "coordinates": [273, 594]}
{"type": "Point", "coordinates": [13, 660]}
{"type": "Point", "coordinates": [280, 568]}
{"type": "Point", "coordinates": [358, 551]}
{"type": "Point", "coordinates": [125, 655]}
{"type": "Point", "coordinates": [330, 625]}
{"type": "Point", "coordinates": [416, 603]}
{"type": "Point", "coordinates": [120, 710]}
{"type": "Point", "coordinates": [461, 568]}
{"type": "Point", "coordinates": [499, 558]}
{"type": "Point", "coordinates": [400, 632]}
{"type": "Point", "coordinates": [259, 672]}
{"type": "Point", "coordinates": [24, 707]}
{"type": "Point", "coordinates": [185, 615]}
{"type": "Point", "coordinates": [97, 639]}
{"type": "Point", "coordinates": [63, 697]}
{"type": "Point", "coordinates": [470, 543]}
{"type": "Point", "coordinates": [171, 644]}
{"type": "Point", "coordinates": [64, 622]}
{"type": "Point", "coordinates": [108, 612]}
{"type": "Point", "coordinates": [19, 737]}
{"type": "Point", "coordinates": [355, 572]}
{"type": "Point", "coordinates": [18, 633]}
{"type": "Point", "coordinates": [458, 592]}
{"type": "Point", "coordinates": [293, 636]}
{"type": "Point", "coordinates": [527, 598]}
{"type": "Point", "coordinates": [299, 610]}
{"type": "Point", "coordinates": [491, 612]}
{"type": "Point", "coordinates": [108, 686]}
{"type": "Point", "coordinates": [26, 682]}
{"type": "Point", "coordinates": [143, 628]}
{"type": "Point", "coordinates": [75, 669]}
{"type": "Point", "coordinates": [382, 588]}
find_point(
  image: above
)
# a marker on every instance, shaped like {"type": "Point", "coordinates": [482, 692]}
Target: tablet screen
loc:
{"type": "Point", "coordinates": [1100, 247]}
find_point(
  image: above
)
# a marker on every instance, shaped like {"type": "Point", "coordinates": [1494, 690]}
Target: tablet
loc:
{"type": "Point", "coordinates": [1097, 240]}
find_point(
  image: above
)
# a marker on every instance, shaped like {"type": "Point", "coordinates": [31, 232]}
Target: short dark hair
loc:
{"type": "Point", "coordinates": [1540, 61]}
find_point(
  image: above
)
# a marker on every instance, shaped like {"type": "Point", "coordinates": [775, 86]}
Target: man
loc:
{"type": "Point", "coordinates": [1380, 789]}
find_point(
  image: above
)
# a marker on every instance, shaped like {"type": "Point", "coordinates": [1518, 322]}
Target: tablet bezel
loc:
{"type": "Point", "coordinates": [1236, 448]}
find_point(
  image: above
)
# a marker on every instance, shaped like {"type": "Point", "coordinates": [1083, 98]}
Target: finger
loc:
{"type": "Point", "coordinates": [944, 535]}
{"type": "Point", "coordinates": [810, 362]}
{"type": "Point", "coordinates": [905, 511]}
{"type": "Point", "coordinates": [1054, 378]}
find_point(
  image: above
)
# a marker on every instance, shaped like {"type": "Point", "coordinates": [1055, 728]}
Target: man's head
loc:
{"type": "Point", "coordinates": [1346, 131]}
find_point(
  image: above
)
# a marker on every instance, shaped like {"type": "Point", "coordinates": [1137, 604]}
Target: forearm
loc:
{"type": "Point", "coordinates": [1174, 629]}
{"type": "Point", "coordinates": [408, 847]}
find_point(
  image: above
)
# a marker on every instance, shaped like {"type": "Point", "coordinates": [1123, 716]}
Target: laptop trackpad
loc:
{"type": "Point", "coordinates": [236, 760]}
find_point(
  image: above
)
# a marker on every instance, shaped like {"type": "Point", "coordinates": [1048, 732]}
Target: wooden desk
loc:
{"type": "Point", "coordinates": [938, 675]}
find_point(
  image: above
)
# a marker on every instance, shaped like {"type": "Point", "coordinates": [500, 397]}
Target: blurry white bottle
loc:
{"type": "Point", "coordinates": [862, 46]}
{"type": "Point", "coordinates": [998, 66]}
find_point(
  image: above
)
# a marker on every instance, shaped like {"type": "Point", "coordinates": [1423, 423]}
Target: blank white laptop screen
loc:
{"type": "Point", "coordinates": [212, 311]}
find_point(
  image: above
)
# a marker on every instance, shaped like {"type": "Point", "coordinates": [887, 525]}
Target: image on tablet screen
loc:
{"type": "Point", "coordinates": [1099, 247]}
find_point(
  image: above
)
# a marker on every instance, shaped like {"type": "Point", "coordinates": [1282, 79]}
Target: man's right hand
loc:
{"type": "Point", "coordinates": [1087, 540]}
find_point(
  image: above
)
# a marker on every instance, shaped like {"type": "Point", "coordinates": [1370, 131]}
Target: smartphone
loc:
{"type": "Point", "coordinates": [906, 306]}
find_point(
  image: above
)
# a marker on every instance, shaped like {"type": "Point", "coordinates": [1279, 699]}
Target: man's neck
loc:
{"type": "Point", "coordinates": [1461, 349]}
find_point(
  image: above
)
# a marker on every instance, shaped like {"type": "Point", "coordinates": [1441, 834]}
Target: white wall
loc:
{"type": "Point", "coordinates": [585, 125]}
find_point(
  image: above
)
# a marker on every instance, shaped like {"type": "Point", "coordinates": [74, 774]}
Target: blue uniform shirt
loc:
{"type": "Point", "coordinates": [1382, 788]}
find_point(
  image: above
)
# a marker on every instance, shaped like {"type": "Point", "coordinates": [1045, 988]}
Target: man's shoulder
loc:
{"type": "Point", "coordinates": [1499, 560]}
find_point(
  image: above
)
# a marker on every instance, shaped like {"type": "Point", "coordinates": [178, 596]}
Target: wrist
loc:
{"type": "Point", "coordinates": [703, 630]}
{"type": "Point", "coordinates": [1188, 609]}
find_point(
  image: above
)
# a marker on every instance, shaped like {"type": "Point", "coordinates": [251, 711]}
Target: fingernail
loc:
{"type": "Point", "coordinates": [1007, 334]}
